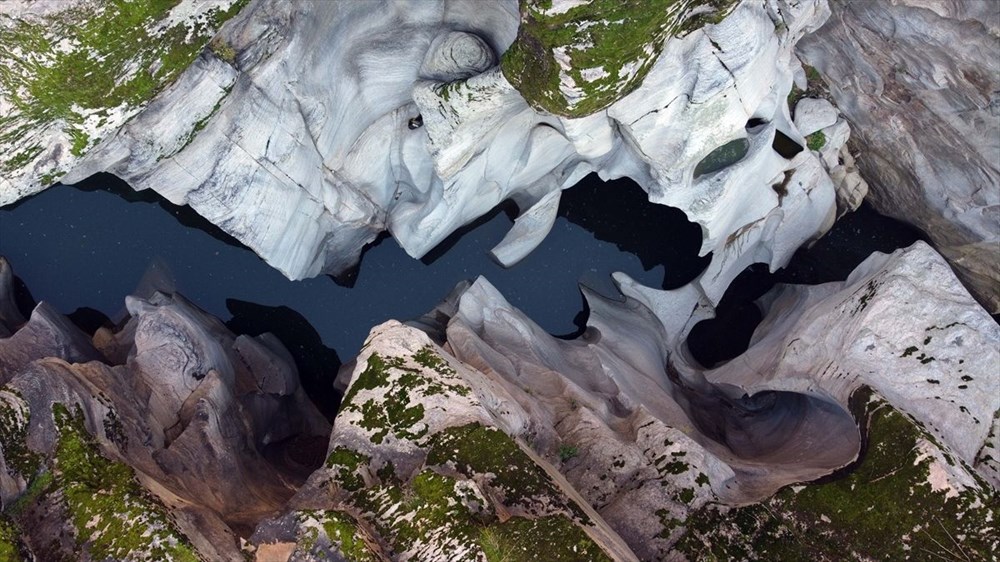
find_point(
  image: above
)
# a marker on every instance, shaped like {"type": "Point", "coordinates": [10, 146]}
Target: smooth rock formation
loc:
{"type": "Point", "coordinates": [919, 81]}
{"type": "Point", "coordinates": [400, 116]}
{"type": "Point", "coordinates": [472, 433]}
{"type": "Point", "coordinates": [901, 324]}
{"type": "Point", "coordinates": [166, 439]}
{"type": "Point", "coordinates": [667, 460]}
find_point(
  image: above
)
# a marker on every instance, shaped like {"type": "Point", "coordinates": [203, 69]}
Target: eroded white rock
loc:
{"type": "Point", "coordinates": [306, 153]}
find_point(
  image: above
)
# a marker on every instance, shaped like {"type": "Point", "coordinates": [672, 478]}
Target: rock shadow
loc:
{"type": "Point", "coordinates": [317, 364]}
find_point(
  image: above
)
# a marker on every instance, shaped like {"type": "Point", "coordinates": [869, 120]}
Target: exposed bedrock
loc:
{"type": "Point", "coordinates": [336, 120]}
{"type": "Point", "coordinates": [617, 442]}
{"type": "Point", "coordinates": [901, 324]}
{"type": "Point", "coordinates": [919, 81]}
{"type": "Point", "coordinates": [167, 438]}
{"type": "Point", "coordinates": [624, 361]}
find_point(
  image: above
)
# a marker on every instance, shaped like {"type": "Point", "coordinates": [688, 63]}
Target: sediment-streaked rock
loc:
{"type": "Point", "coordinates": [166, 439]}
{"type": "Point", "coordinates": [919, 82]}
{"type": "Point", "coordinates": [669, 460]}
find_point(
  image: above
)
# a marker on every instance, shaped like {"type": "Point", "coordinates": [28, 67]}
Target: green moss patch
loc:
{"type": "Point", "coordinates": [114, 518]}
{"type": "Point", "coordinates": [333, 530]}
{"type": "Point", "coordinates": [10, 542]}
{"type": "Point", "coordinates": [475, 450]}
{"type": "Point", "coordinates": [816, 140]}
{"type": "Point", "coordinates": [14, 417]}
{"type": "Point", "coordinates": [611, 45]}
{"type": "Point", "coordinates": [397, 409]}
{"type": "Point", "coordinates": [520, 540]}
{"type": "Point", "coordinates": [90, 65]}
{"type": "Point", "coordinates": [438, 515]}
{"type": "Point", "coordinates": [346, 465]}
{"type": "Point", "coordinates": [431, 515]}
{"type": "Point", "coordinates": [884, 510]}
{"type": "Point", "coordinates": [815, 87]}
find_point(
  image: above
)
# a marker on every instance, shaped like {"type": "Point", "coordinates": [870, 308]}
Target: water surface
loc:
{"type": "Point", "coordinates": [90, 246]}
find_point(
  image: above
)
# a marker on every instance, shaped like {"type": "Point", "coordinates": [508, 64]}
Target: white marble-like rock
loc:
{"type": "Point", "coordinates": [347, 82]}
{"type": "Point", "coordinates": [901, 324]}
{"type": "Point", "coordinates": [813, 114]}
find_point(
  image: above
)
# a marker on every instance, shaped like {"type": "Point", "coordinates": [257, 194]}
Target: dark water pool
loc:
{"type": "Point", "coordinates": [90, 245]}
{"type": "Point", "coordinates": [83, 248]}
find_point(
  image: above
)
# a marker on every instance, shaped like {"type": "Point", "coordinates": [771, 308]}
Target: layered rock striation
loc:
{"type": "Point", "coordinates": [636, 452]}
{"type": "Point", "coordinates": [918, 80]}
{"type": "Point", "coordinates": [166, 439]}
{"type": "Point", "coordinates": [470, 433]}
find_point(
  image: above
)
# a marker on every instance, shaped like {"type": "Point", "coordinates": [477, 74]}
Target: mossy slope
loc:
{"type": "Point", "coordinates": [85, 70]}
{"type": "Point", "coordinates": [475, 495]}
{"type": "Point", "coordinates": [106, 512]}
{"type": "Point", "coordinates": [886, 509]}
{"type": "Point", "coordinates": [584, 59]}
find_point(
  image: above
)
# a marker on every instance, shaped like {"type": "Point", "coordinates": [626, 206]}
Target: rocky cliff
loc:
{"type": "Point", "coordinates": [164, 439]}
{"type": "Point", "coordinates": [919, 81]}
{"type": "Point", "coordinates": [343, 119]}
{"type": "Point", "coordinates": [471, 434]}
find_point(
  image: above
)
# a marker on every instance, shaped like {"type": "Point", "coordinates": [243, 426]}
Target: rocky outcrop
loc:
{"type": "Point", "coordinates": [901, 324]}
{"type": "Point", "coordinates": [641, 453]}
{"type": "Point", "coordinates": [165, 439]}
{"type": "Point", "coordinates": [76, 70]}
{"type": "Point", "coordinates": [403, 118]}
{"type": "Point", "coordinates": [419, 468]}
{"type": "Point", "coordinates": [918, 81]}
{"type": "Point", "coordinates": [472, 433]}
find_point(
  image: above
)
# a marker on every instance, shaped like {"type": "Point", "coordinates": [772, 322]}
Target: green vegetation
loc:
{"type": "Point", "coordinates": [14, 418]}
{"type": "Point", "coordinates": [519, 539]}
{"type": "Point", "coordinates": [475, 449]}
{"type": "Point", "coordinates": [113, 516]}
{"type": "Point", "coordinates": [10, 550]}
{"type": "Point", "coordinates": [400, 384]}
{"type": "Point", "coordinates": [91, 65]}
{"type": "Point", "coordinates": [222, 50]}
{"type": "Point", "coordinates": [432, 511]}
{"type": "Point", "coordinates": [815, 87]}
{"type": "Point", "coordinates": [346, 465]}
{"type": "Point", "coordinates": [615, 41]}
{"type": "Point", "coordinates": [884, 510]}
{"type": "Point", "coordinates": [816, 140]}
{"type": "Point", "coordinates": [567, 452]}
{"type": "Point", "coordinates": [438, 513]}
{"type": "Point", "coordinates": [341, 531]}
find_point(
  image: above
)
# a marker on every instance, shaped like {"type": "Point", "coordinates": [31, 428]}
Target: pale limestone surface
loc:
{"type": "Point", "coordinates": [302, 147]}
